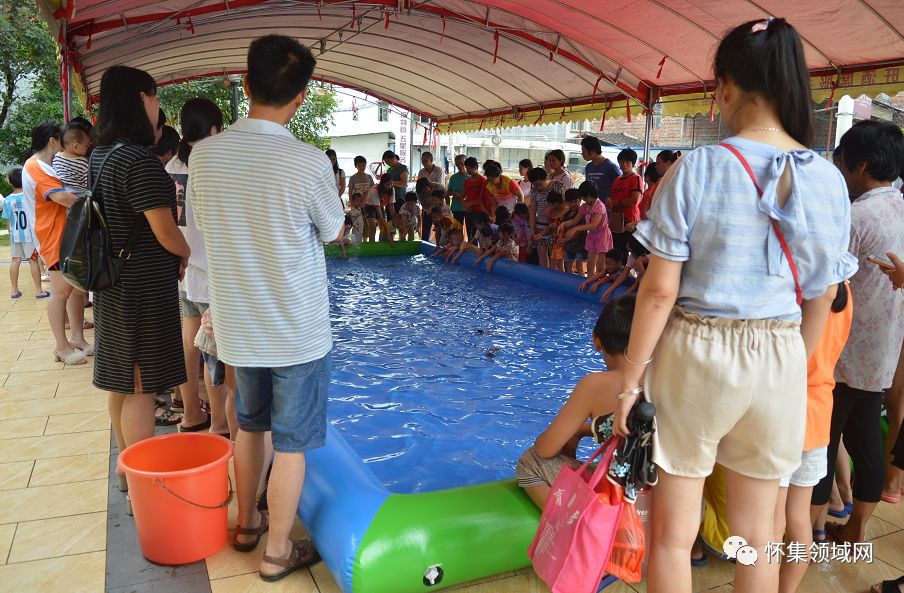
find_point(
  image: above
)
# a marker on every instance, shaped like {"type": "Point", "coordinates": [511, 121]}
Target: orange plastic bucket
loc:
{"type": "Point", "coordinates": [180, 489]}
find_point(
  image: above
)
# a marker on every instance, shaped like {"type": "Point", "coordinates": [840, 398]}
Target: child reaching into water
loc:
{"type": "Point", "coordinates": [411, 213]}
{"type": "Point", "coordinates": [456, 239]}
{"type": "Point", "coordinates": [504, 248]}
{"type": "Point", "coordinates": [637, 262]}
{"type": "Point", "coordinates": [521, 224]}
{"type": "Point", "coordinates": [595, 395]}
{"type": "Point", "coordinates": [615, 264]}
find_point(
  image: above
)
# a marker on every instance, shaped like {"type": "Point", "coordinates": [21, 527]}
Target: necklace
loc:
{"type": "Point", "coordinates": [760, 130]}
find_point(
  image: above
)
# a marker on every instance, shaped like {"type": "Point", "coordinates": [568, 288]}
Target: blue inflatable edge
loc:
{"type": "Point", "coordinates": [554, 280]}
{"type": "Point", "coordinates": [342, 495]}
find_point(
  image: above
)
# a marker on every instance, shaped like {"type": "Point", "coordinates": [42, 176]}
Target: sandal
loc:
{"type": "Point", "coordinates": [17, 295]}
{"type": "Point", "coordinates": [43, 295]}
{"type": "Point", "coordinates": [159, 402]}
{"type": "Point", "coordinates": [169, 417]}
{"type": "Point", "coordinates": [87, 324]}
{"type": "Point", "coordinates": [258, 531]}
{"type": "Point", "coordinates": [197, 427]}
{"type": "Point", "coordinates": [303, 555]}
{"type": "Point", "coordinates": [845, 512]}
{"type": "Point", "coordinates": [73, 358]}
{"type": "Point", "coordinates": [889, 586]}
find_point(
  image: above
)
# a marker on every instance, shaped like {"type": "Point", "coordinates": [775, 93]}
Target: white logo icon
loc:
{"type": "Point", "coordinates": [732, 545]}
{"type": "Point", "coordinates": [747, 555]}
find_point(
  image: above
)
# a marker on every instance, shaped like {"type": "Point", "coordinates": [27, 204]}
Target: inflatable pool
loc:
{"type": "Point", "coordinates": [381, 539]}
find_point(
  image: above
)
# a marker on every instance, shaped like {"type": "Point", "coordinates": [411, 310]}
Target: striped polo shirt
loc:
{"type": "Point", "coordinates": [265, 203]}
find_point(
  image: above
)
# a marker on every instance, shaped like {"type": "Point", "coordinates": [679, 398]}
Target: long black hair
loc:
{"type": "Point", "coordinates": [122, 113]}
{"type": "Point", "coordinates": [766, 57]}
{"type": "Point", "coordinates": [332, 153]}
{"type": "Point", "coordinates": [198, 116]}
{"type": "Point", "coordinates": [43, 132]}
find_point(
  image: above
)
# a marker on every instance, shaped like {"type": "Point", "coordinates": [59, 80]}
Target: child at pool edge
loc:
{"type": "Point", "coordinates": [487, 235]}
{"type": "Point", "coordinates": [412, 215]}
{"type": "Point", "coordinates": [521, 224]}
{"type": "Point", "coordinates": [595, 395]}
{"type": "Point", "coordinates": [615, 265]}
{"type": "Point", "coordinates": [356, 214]}
{"type": "Point", "coordinates": [456, 239]}
{"type": "Point", "coordinates": [504, 248]}
{"type": "Point", "coordinates": [637, 262]}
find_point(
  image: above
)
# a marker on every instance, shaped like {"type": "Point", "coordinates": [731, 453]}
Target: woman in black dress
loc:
{"type": "Point", "coordinates": [138, 348]}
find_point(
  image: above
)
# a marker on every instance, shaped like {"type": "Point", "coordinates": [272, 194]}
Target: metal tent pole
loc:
{"type": "Point", "coordinates": [236, 84]}
{"type": "Point", "coordinates": [648, 129]}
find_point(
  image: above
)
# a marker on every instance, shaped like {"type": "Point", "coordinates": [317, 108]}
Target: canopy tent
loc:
{"type": "Point", "coordinates": [467, 64]}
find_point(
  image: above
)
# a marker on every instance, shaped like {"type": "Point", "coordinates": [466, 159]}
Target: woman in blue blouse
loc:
{"type": "Point", "coordinates": [725, 319]}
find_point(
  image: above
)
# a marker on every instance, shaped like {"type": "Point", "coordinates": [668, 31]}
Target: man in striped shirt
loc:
{"type": "Point", "coordinates": [268, 288]}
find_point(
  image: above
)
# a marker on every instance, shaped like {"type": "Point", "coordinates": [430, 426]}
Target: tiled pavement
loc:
{"type": "Point", "coordinates": [63, 527]}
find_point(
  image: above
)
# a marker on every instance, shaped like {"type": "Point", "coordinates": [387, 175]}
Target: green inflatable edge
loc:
{"type": "Point", "coordinates": [373, 249]}
{"type": "Point", "coordinates": [467, 533]}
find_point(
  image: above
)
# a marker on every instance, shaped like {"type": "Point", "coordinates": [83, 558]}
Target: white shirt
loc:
{"type": "Point", "coordinates": [195, 282]}
{"type": "Point", "coordinates": [437, 177]}
{"type": "Point", "coordinates": [265, 204]}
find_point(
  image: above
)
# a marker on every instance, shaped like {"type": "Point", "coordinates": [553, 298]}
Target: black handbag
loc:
{"type": "Point", "coordinates": [87, 259]}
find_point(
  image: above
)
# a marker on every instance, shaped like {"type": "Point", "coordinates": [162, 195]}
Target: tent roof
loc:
{"type": "Point", "coordinates": [471, 61]}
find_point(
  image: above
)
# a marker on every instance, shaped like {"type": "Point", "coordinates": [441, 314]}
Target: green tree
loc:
{"type": "Point", "coordinates": [27, 52]}
{"type": "Point", "coordinates": [309, 124]}
{"type": "Point", "coordinates": [29, 87]}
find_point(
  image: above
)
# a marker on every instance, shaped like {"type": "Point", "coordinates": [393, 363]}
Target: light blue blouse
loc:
{"type": "Point", "coordinates": [710, 217]}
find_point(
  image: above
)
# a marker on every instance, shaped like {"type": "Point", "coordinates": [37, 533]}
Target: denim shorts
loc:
{"type": "Point", "coordinates": [572, 256]}
{"type": "Point", "coordinates": [216, 369]}
{"type": "Point", "coordinates": [290, 401]}
{"type": "Point", "coordinates": [191, 308]}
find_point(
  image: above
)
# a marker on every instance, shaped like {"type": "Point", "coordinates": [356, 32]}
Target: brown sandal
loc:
{"type": "Point", "coordinates": [303, 554]}
{"type": "Point", "coordinates": [258, 531]}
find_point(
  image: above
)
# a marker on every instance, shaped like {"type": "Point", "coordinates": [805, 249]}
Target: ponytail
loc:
{"type": "Point", "coordinates": [766, 57]}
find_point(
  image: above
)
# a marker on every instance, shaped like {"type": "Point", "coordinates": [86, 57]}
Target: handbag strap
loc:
{"type": "Point", "coordinates": [775, 226]}
{"type": "Point", "coordinates": [136, 229]}
{"type": "Point", "coordinates": [607, 449]}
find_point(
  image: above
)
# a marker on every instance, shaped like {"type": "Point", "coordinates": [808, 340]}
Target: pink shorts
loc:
{"type": "Point", "coordinates": [599, 242]}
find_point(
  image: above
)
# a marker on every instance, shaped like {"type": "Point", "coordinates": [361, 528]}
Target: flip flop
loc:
{"type": "Point", "coordinates": [258, 531]}
{"type": "Point", "coordinates": [303, 555]}
{"type": "Point", "coordinates": [43, 295]}
{"type": "Point", "coordinates": [18, 295]}
{"type": "Point", "coordinates": [700, 562]}
{"type": "Point", "coordinates": [168, 418]}
{"type": "Point", "coordinates": [890, 498]}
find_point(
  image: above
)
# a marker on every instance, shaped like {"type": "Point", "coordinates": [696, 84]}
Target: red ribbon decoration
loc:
{"type": "Point", "coordinates": [443, 35]}
{"type": "Point", "coordinates": [191, 26]}
{"type": "Point", "coordinates": [319, 15]}
{"type": "Point", "coordinates": [605, 111]}
{"type": "Point", "coordinates": [628, 108]}
{"type": "Point", "coordinates": [561, 117]}
{"type": "Point", "coordinates": [661, 64]}
{"type": "Point", "coordinates": [481, 125]}
{"type": "Point", "coordinates": [425, 136]}
{"type": "Point", "coordinates": [536, 121]}
{"type": "Point", "coordinates": [596, 87]}
{"type": "Point", "coordinates": [353, 23]}
{"type": "Point", "coordinates": [386, 23]}
{"type": "Point", "coordinates": [496, 50]}
{"type": "Point", "coordinates": [831, 95]}
{"type": "Point", "coordinates": [712, 106]}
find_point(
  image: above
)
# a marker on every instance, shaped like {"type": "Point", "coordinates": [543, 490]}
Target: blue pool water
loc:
{"type": "Point", "coordinates": [413, 389]}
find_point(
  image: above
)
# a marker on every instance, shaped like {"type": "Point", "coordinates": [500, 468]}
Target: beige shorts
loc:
{"type": "Point", "coordinates": [728, 390]}
{"type": "Point", "coordinates": [533, 470]}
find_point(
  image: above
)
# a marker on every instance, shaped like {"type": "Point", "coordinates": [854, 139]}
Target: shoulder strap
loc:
{"type": "Point", "coordinates": [103, 163]}
{"type": "Point", "coordinates": [126, 251]}
{"type": "Point", "coordinates": [775, 225]}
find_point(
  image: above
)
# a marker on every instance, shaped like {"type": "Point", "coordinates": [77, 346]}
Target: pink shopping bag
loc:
{"type": "Point", "coordinates": [577, 528]}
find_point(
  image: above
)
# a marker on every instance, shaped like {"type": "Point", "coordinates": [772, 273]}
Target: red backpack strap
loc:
{"type": "Point", "coordinates": [775, 226]}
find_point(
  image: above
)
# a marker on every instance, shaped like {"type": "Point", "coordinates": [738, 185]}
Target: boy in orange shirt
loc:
{"type": "Point", "coordinates": [795, 518]}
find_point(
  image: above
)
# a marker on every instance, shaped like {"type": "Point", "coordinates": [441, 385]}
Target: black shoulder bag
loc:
{"type": "Point", "coordinates": [87, 259]}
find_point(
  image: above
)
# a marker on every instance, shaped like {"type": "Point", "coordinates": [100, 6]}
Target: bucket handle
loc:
{"type": "Point", "coordinates": [222, 505]}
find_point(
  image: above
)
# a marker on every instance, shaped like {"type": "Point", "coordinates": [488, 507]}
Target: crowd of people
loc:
{"type": "Point", "coordinates": [765, 329]}
{"type": "Point", "coordinates": [541, 219]}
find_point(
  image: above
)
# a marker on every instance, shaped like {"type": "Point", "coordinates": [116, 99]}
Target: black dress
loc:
{"type": "Point", "coordinates": [138, 320]}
